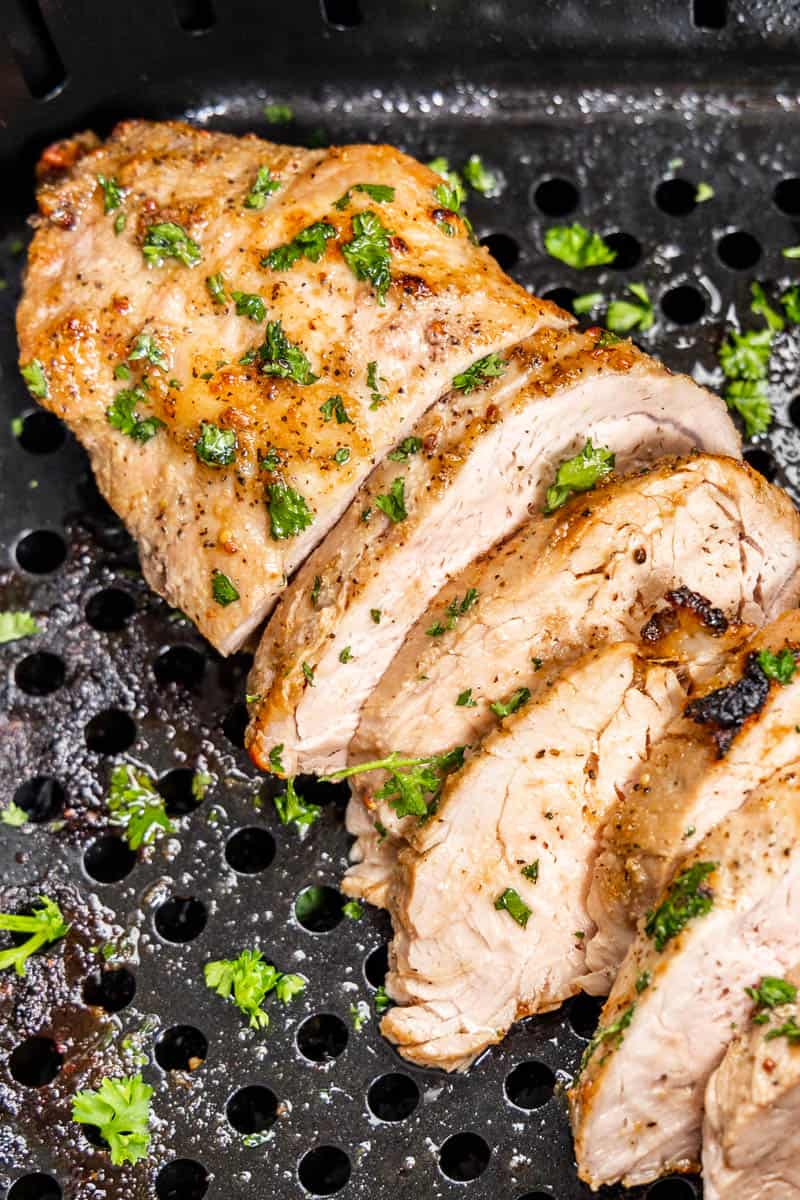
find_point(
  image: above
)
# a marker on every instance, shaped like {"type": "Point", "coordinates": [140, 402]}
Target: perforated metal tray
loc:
{"type": "Point", "coordinates": [576, 105]}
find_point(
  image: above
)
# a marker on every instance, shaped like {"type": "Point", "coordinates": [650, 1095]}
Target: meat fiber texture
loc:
{"type": "Point", "coordinates": [90, 293]}
{"type": "Point", "coordinates": [483, 462]}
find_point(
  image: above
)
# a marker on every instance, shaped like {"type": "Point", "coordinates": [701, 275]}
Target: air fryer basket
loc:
{"type": "Point", "coordinates": [610, 113]}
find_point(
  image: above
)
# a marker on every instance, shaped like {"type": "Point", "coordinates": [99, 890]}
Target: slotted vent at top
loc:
{"type": "Point", "coordinates": [33, 48]}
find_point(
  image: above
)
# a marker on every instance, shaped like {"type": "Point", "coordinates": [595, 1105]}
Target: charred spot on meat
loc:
{"type": "Point", "coordinates": [727, 708]}
{"type": "Point", "coordinates": [682, 598]}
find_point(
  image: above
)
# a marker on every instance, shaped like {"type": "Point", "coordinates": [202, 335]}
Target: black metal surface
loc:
{"type": "Point", "coordinates": [604, 96]}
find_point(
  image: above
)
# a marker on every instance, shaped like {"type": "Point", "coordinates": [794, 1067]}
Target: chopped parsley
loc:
{"type": "Point", "coordinates": [761, 307]}
{"type": "Point", "coordinates": [410, 780]}
{"type": "Point", "coordinates": [247, 980]}
{"type": "Point", "coordinates": [375, 613]}
{"type": "Point", "coordinates": [748, 398]}
{"type": "Point", "coordinates": [455, 609]}
{"type": "Point", "coordinates": [359, 1015]}
{"type": "Point", "coordinates": [615, 1032]}
{"type": "Point", "coordinates": [345, 655]}
{"type": "Point", "coordinates": [393, 504]}
{"type": "Point", "coordinates": [137, 807]}
{"type": "Point", "coordinates": [477, 176]}
{"type": "Point", "coordinates": [586, 302]}
{"type": "Point", "coordinates": [15, 624]}
{"type": "Point", "coordinates": [531, 872]}
{"type": "Point", "coordinates": [746, 355]}
{"type": "Point", "coordinates": [278, 356]}
{"type": "Point", "coordinates": [315, 590]}
{"type": "Point", "coordinates": [511, 901]}
{"type": "Point", "coordinates": [45, 924]}
{"type": "Point", "coordinates": [606, 338]}
{"type": "Point", "coordinates": [215, 447]}
{"type": "Point", "coordinates": [790, 1029]}
{"type": "Point", "coordinates": [381, 193]}
{"type": "Point", "coordinates": [504, 708]}
{"type": "Point", "coordinates": [288, 512]}
{"type": "Point", "coordinates": [791, 304]}
{"type": "Point", "coordinates": [35, 378]}
{"type": "Point", "coordinates": [579, 474]}
{"type": "Point", "coordinates": [377, 398]}
{"type": "Point", "coordinates": [292, 808]}
{"type": "Point", "coordinates": [308, 672]}
{"type": "Point", "coordinates": [113, 195]}
{"type": "Point", "coordinates": [249, 304]}
{"type": "Point", "coordinates": [122, 415]}
{"type": "Point", "coordinates": [308, 243]}
{"type": "Point", "coordinates": [687, 897]}
{"type": "Point", "coordinates": [342, 456]}
{"type": "Point", "coordinates": [223, 589]}
{"type": "Point", "coordinates": [120, 221]}
{"type": "Point", "coordinates": [13, 816]}
{"type": "Point", "coordinates": [201, 782]}
{"type": "Point", "coordinates": [577, 246]}
{"type": "Point", "coordinates": [490, 367]}
{"type": "Point", "coordinates": [271, 460]}
{"type": "Point", "coordinates": [169, 240]}
{"type": "Point", "coordinates": [703, 193]}
{"type": "Point", "coordinates": [408, 446]}
{"type": "Point", "coordinates": [368, 255]}
{"type": "Point", "coordinates": [381, 1001]}
{"type": "Point", "coordinates": [770, 993]}
{"type": "Point", "coordinates": [279, 114]}
{"type": "Point", "coordinates": [791, 252]}
{"type": "Point", "coordinates": [216, 287]}
{"type": "Point", "coordinates": [780, 666]}
{"type": "Point", "coordinates": [623, 316]}
{"type": "Point", "coordinates": [146, 347]}
{"type": "Point", "coordinates": [275, 760]}
{"type": "Point", "coordinates": [334, 407]}
{"type": "Point", "coordinates": [264, 185]}
{"type": "Point", "coordinates": [120, 1110]}
{"type": "Point", "coordinates": [353, 910]}
{"type": "Point", "coordinates": [642, 982]}
{"type": "Point", "coordinates": [464, 699]}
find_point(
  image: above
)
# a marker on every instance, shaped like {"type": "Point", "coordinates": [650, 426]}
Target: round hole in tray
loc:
{"type": "Point", "coordinates": [673, 1188]}
{"type": "Point", "coordinates": [376, 964]}
{"type": "Point", "coordinates": [176, 788]}
{"type": "Point", "coordinates": [35, 1062]}
{"type": "Point", "coordinates": [235, 723]}
{"type": "Point", "coordinates": [676, 197]}
{"type": "Point", "coordinates": [503, 248]}
{"type": "Point", "coordinates": [683, 304]}
{"type": "Point", "coordinates": [628, 250]}
{"type": "Point", "coordinates": [109, 859]}
{"type": "Point", "coordinates": [393, 1097]}
{"type": "Point", "coordinates": [322, 1038]}
{"type": "Point", "coordinates": [787, 196]}
{"type": "Point", "coordinates": [110, 610]}
{"type": "Point", "coordinates": [556, 197]}
{"type": "Point", "coordinates": [112, 989]}
{"type": "Point", "coordinates": [110, 731]}
{"type": "Point", "coordinates": [763, 462]}
{"type": "Point", "coordinates": [41, 551]}
{"type": "Point", "coordinates": [318, 908]}
{"type": "Point", "coordinates": [324, 1170]}
{"type": "Point", "coordinates": [181, 1048]}
{"type": "Point", "coordinates": [35, 1187]}
{"type": "Point", "coordinates": [794, 412]}
{"type": "Point", "coordinates": [530, 1085]}
{"type": "Point", "coordinates": [464, 1156]}
{"type": "Point", "coordinates": [252, 1109]}
{"type": "Point", "coordinates": [583, 1013]}
{"type": "Point", "coordinates": [181, 665]}
{"type": "Point", "coordinates": [182, 1179]}
{"type": "Point", "coordinates": [234, 670]}
{"type": "Point", "coordinates": [40, 674]}
{"type": "Point", "coordinates": [41, 432]}
{"type": "Point", "coordinates": [180, 919]}
{"type": "Point", "coordinates": [42, 798]}
{"type": "Point", "coordinates": [562, 296]}
{"type": "Point", "coordinates": [739, 250]}
{"type": "Point", "coordinates": [250, 850]}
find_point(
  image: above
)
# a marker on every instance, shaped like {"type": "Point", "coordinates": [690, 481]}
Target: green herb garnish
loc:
{"type": "Point", "coordinates": [393, 504]}
{"type": "Point", "coordinates": [13, 816]}
{"type": "Point", "coordinates": [687, 897]}
{"type": "Point", "coordinates": [223, 589]}
{"type": "Point", "coordinates": [216, 287]}
{"type": "Point", "coordinates": [455, 609]}
{"type": "Point", "coordinates": [586, 302]}
{"type": "Point", "coordinates": [122, 415]}
{"type": "Point", "coordinates": [288, 512]}
{"type": "Point", "coordinates": [490, 367]}
{"type": "Point", "coordinates": [249, 304]}
{"type": "Point", "coordinates": [345, 655]}
{"type": "Point", "coordinates": [791, 304]}
{"type": "Point", "coordinates": [511, 901]}
{"type": "Point", "coordinates": [504, 708]}
{"type": "Point", "coordinates": [120, 1110]}
{"type": "Point", "coordinates": [780, 666]}
{"type": "Point", "coordinates": [577, 246]}
{"type": "Point", "coordinates": [410, 780]}
{"type": "Point", "coordinates": [464, 699]}
{"type": "Point", "coordinates": [614, 1032]}
{"type": "Point", "coordinates": [35, 378]}
{"type": "Point", "coordinates": [146, 347]}
{"type": "Point", "coordinates": [113, 195]}
{"type": "Point", "coordinates": [292, 808]}
{"type": "Point", "coordinates": [275, 760]}
{"type": "Point", "coordinates": [215, 447]}
{"type": "Point", "coordinates": [308, 243]}
{"type": "Point", "coordinates": [623, 316]}
{"type": "Point", "coordinates": [377, 398]}
{"type": "Point", "coordinates": [45, 924]}
{"type": "Point", "coordinates": [137, 807]}
{"type": "Point", "coordinates": [408, 446]}
{"type": "Point", "coordinates": [770, 993]}
{"type": "Point", "coordinates": [761, 307]}
{"type": "Point", "coordinates": [579, 474]}
{"type": "Point", "coordinates": [748, 398]}
{"type": "Point", "coordinates": [477, 175]}
{"type": "Point", "coordinates": [368, 254]}
{"type": "Point", "coordinates": [15, 625]}
{"type": "Point", "coordinates": [353, 910]}
{"type": "Point", "coordinates": [264, 185]}
{"type": "Point", "coordinates": [278, 356]}
{"type": "Point", "coordinates": [334, 407]}
{"type": "Point", "coordinates": [247, 980]}
{"type": "Point", "coordinates": [531, 872]}
{"type": "Point", "coordinates": [279, 114]}
{"type": "Point", "coordinates": [381, 193]}
{"type": "Point", "coordinates": [746, 355]}
{"type": "Point", "coordinates": [169, 240]}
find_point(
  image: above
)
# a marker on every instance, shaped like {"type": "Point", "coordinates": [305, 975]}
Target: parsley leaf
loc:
{"type": "Point", "coordinates": [586, 302]}
{"type": "Point", "coordinates": [315, 590]}
{"type": "Point", "coordinates": [408, 446]}
{"type": "Point", "coordinates": [375, 613]}
{"type": "Point", "coordinates": [490, 367]}
{"type": "Point", "coordinates": [35, 378]}
{"type": "Point", "coordinates": [216, 287]}
{"type": "Point", "coordinates": [291, 807]}
{"type": "Point", "coordinates": [770, 993]}
{"type": "Point", "coordinates": [579, 474]}
{"type": "Point", "coordinates": [531, 872]}
{"type": "Point", "coordinates": [201, 782]}
{"type": "Point", "coordinates": [790, 1029]}
{"type": "Point", "coordinates": [614, 1032]}
{"type": "Point", "coordinates": [278, 356]}
{"type": "Point", "coordinates": [393, 504]}
{"type": "Point", "coordinates": [113, 194]}
{"type": "Point", "coordinates": [624, 315]}
{"type": "Point", "coordinates": [381, 1001]}
{"type": "Point", "coordinates": [16, 624]}
{"type": "Point", "coordinates": [368, 255]}
{"type": "Point", "coordinates": [215, 447]}
{"type": "Point", "coordinates": [359, 1015]}
{"type": "Point", "coordinates": [279, 114]}
{"type": "Point", "coordinates": [263, 185]}
{"type": "Point", "coordinates": [334, 406]}
{"type": "Point", "coordinates": [13, 816]}
{"type": "Point", "coordinates": [223, 589]}
{"type": "Point", "coordinates": [345, 655]}
{"type": "Point", "coordinates": [249, 304]}
{"type": "Point", "coordinates": [410, 779]}
{"type": "Point", "coordinates": [247, 980]}
{"type": "Point", "coordinates": [121, 415]}
{"type": "Point", "coordinates": [120, 1108]}
{"type": "Point", "coordinates": [704, 192]}
{"type": "Point", "coordinates": [45, 924]}
{"type": "Point", "coordinates": [746, 355]}
{"type": "Point", "coordinates": [761, 306]}
{"type": "Point", "coordinates": [687, 897]}
{"type": "Point", "coordinates": [791, 252]}
{"type": "Point", "coordinates": [275, 760]}
{"type": "Point", "coordinates": [477, 176]}
{"type": "Point", "coordinates": [308, 672]}
{"type": "Point", "coordinates": [464, 699]}
{"type": "Point", "coordinates": [504, 708]}
{"type": "Point", "coordinates": [377, 397]}
{"type": "Point", "coordinates": [791, 304]}
{"type": "Point", "coordinates": [511, 901]}
{"type": "Point", "coordinates": [780, 666]}
{"type": "Point", "coordinates": [271, 460]}
{"type": "Point", "coordinates": [137, 807]}
{"type": "Point", "coordinates": [288, 512]}
{"type": "Point", "coordinates": [455, 609]}
{"type": "Point", "coordinates": [145, 346]}
{"type": "Point", "coordinates": [169, 240]}
{"type": "Point", "coordinates": [748, 398]}
{"type": "Point", "coordinates": [577, 246]}
{"type": "Point", "coordinates": [353, 910]}
{"type": "Point", "coordinates": [308, 243]}
{"type": "Point", "coordinates": [381, 193]}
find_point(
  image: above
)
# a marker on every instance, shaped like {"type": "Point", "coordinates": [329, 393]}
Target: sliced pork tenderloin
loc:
{"type": "Point", "coordinates": [698, 773]}
{"type": "Point", "coordinates": [483, 463]}
{"type": "Point", "coordinates": [595, 571]}
{"type": "Point", "coordinates": [752, 1103]}
{"type": "Point", "coordinates": [159, 256]}
{"type": "Point", "coordinates": [727, 918]}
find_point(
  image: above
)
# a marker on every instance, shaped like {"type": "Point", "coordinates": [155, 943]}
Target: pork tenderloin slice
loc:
{"type": "Point", "coordinates": [89, 293]}
{"type": "Point", "coordinates": [752, 1109]}
{"type": "Point", "coordinates": [593, 572]}
{"type": "Point", "coordinates": [487, 460]}
{"type": "Point", "coordinates": [687, 788]}
{"type": "Point", "coordinates": [727, 918]}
